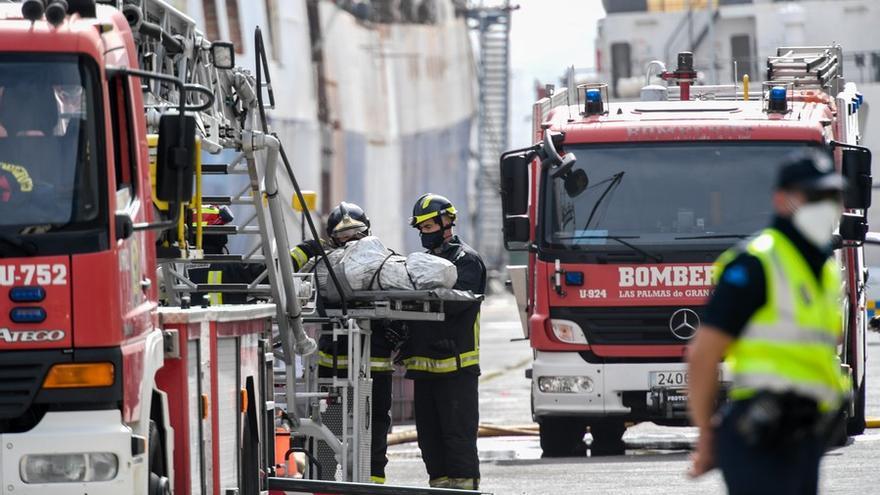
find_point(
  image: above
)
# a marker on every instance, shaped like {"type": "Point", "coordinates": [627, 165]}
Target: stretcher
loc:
{"type": "Point", "coordinates": [330, 420]}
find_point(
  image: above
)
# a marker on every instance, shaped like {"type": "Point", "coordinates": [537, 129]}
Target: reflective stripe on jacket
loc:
{"type": "Point", "coordinates": [790, 343]}
{"type": "Point", "coordinates": [215, 277]}
{"type": "Point", "coordinates": [299, 257]}
{"type": "Point", "coordinates": [377, 363]}
{"type": "Point", "coordinates": [449, 364]}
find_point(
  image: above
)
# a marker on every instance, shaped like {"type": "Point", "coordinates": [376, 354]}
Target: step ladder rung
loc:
{"type": "Point", "coordinates": [219, 230]}
{"type": "Point", "coordinates": [233, 258]}
{"type": "Point", "coordinates": [216, 259]}
{"type": "Point", "coordinates": [230, 230]}
{"type": "Point", "coordinates": [222, 169]}
{"type": "Point", "coordinates": [216, 200]}
{"type": "Point", "coordinates": [227, 200]}
{"type": "Point", "coordinates": [227, 288]}
{"type": "Point", "coordinates": [215, 168]}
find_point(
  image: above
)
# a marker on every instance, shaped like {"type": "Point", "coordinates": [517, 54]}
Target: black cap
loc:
{"type": "Point", "coordinates": [809, 170]}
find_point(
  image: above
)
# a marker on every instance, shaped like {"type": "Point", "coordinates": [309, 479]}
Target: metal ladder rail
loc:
{"type": "Point", "coordinates": [218, 125]}
{"type": "Point", "coordinates": [191, 64]}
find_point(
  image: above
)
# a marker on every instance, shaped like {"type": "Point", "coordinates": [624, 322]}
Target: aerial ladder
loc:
{"type": "Point", "coordinates": [184, 71]}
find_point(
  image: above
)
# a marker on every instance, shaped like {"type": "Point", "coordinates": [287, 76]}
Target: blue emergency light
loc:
{"type": "Point", "coordinates": [574, 278]}
{"type": "Point", "coordinates": [777, 93]}
{"type": "Point", "coordinates": [27, 315]}
{"type": "Point", "coordinates": [27, 294]}
{"type": "Point", "coordinates": [778, 99]}
{"type": "Point", "coordinates": [594, 104]}
{"type": "Point", "coordinates": [857, 101]}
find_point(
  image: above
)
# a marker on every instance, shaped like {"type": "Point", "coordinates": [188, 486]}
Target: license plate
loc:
{"type": "Point", "coordinates": [669, 379]}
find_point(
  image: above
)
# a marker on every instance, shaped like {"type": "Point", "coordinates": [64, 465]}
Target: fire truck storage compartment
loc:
{"type": "Point", "coordinates": [220, 348]}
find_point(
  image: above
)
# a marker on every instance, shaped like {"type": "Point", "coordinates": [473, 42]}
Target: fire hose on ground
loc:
{"type": "Point", "coordinates": [485, 430]}
{"type": "Point", "coordinates": [490, 430]}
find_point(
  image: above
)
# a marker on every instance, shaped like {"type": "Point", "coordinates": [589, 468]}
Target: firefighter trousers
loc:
{"type": "Point", "coordinates": [380, 426]}
{"type": "Point", "coordinates": [447, 420]}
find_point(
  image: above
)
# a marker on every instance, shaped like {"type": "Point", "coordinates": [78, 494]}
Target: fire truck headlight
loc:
{"type": "Point", "coordinates": [565, 384]}
{"type": "Point", "coordinates": [104, 466]}
{"type": "Point", "coordinates": [568, 332]}
{"type": "Point", "coordinates": [68, 468]}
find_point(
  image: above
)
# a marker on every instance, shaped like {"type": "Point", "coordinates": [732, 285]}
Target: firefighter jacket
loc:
{"type": "Point", "coordinates": [441, 348]}
{"type": "Point", "coordinates": [790, 343]}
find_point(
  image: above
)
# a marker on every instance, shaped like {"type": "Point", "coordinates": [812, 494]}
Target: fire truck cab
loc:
{"type": "Point", "coordinates": [624, 207]}
{"type": "Point", "coordinates": [101, 391]}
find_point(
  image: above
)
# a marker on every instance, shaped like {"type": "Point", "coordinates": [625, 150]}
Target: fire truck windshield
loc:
{"type": "Point", "coordinates": [663, 195]}
{"type": "Point", "coordinates": [48, 149]}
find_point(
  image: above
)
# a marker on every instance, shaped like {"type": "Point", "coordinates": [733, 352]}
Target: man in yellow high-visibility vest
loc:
{"type": "Point", "coordinates": [775, 315]}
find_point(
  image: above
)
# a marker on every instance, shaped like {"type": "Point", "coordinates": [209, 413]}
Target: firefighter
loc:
{"type": "Point", "coordinates": [348, 222]}
{"type": "Point", "coordinates": [219, 273]}
{"type": "Point", "coordinates": [443, 358]}
{"type": "Point", "coordinates": [26, 111]}
{"type": "Point", "coordinates": [775, 314]}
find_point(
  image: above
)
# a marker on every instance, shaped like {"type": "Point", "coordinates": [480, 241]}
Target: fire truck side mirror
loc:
{"type": "Point", "coordinates": [853, 228]}
{"type": "Point", "coordinates": [516, 230]}
{"type": "Point", "coordinates": [124, 226]}
{"type": "Point", "coordinates": [175, 158]}
{"type": "Point", "coordinates": [515, 197]}
{"type": "Point", "coordinates": [856, 168]}
{"type": "Point", "coordinates": [575, 181]}
{"type": "Point", "coordinates": [515, 183]}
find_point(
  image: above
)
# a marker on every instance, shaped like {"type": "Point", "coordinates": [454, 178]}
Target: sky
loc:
{"type": "Point", "coordinates": [546, 37]}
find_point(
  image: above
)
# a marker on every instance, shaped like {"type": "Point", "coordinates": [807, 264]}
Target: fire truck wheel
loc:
{"type": "Point", "coordinates": [562, 437]}
{"type": "Point", "coordinates": [838, 436]}
{"type": "Point", "coordinates": [856, 424]}
{"type": "Point", "coordinates": [158, 481]}
{"type": "Point", "coordinates": [607, 437]}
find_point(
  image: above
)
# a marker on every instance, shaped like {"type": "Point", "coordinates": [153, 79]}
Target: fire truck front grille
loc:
{"type": "Point", "coordinates": [628, 326]}
{"type": "Point", "coordinates": [19, 383]}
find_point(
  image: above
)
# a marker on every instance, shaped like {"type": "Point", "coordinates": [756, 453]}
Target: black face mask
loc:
{"type": "Point", "coordinates": [432, 240]}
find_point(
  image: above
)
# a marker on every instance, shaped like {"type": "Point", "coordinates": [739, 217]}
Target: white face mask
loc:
{"type": "Point", "coordinates": [817, 221]}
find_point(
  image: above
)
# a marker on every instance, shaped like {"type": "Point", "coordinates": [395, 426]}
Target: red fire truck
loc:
{"type": "Point", "coordinates": [102, 391]}
{"type": "Point", "coordinates": [624, 206]}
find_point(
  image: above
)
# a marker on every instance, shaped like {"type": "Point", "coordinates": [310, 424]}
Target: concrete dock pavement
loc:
{"type": "Point", "coordinates": [656, 459]}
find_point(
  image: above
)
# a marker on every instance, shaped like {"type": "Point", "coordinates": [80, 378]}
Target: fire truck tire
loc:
{"type": "Point", "coordinates": [159, 484]}
{"type": "Point", "coordinates": [562, 436]}
{"type": "Point", "coordinates": [837, 435]}
{"type": "Point", "coordinates": [855, 425]}
{"type": "Point", "coordinates": [607, 437]}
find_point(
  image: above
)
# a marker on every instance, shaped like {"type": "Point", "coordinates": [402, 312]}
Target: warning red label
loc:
{"type": "Point", "coordinates": [634, 285]}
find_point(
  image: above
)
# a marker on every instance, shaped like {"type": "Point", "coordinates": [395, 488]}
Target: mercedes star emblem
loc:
{"type": "Point", "coordinates": [683, 323]}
